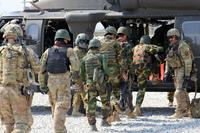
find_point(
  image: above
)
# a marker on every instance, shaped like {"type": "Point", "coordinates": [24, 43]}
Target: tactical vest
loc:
{"type": "Point", "coordinates": [12, 65]}
{"type": "Point", "coordinates": [92, 62]}
{"type": "Point", "coordinates": [108, 48]}
{"type": "Point", "coordinates": [140, 55]}
{"type": "Point", "coordinates": [57, 61]}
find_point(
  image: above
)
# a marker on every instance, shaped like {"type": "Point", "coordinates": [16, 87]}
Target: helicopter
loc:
{"type": "Point", "coordinates": [150, 17]}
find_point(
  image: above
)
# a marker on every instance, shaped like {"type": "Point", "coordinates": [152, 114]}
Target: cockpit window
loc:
{"type": "Point", "coordinates": [191, 28]}
{"type": "Point", "coordinates": [33, 32]}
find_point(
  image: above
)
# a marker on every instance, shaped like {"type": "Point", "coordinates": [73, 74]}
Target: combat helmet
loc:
{"type": "Point", "coordinates": [82, 40]}
{"type": "Point", "coordinates": [123, 30]}
{"type": "Point", "coordinates": [111, 30]}
{"type": "Point", "coordinates": [12, 30]}
{"type": "Point", "coordinates": [94, 43]}
{"type": "Point", "coordinates": [145, 39]}
{"type": "Point", "coordinates": [62, 33]}
{"type": "Point", "coordinates": [173, 32]}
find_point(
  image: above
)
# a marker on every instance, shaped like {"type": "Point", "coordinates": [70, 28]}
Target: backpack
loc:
{"type": "Point", "coordinates": [12, 64]}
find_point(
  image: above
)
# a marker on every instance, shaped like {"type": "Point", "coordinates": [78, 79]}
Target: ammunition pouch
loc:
{"type": "Point", "coordinates": [98, 76]}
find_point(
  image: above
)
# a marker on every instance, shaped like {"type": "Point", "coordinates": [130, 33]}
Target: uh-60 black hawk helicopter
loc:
{"type": "Point", "coordinates": [44, 17]}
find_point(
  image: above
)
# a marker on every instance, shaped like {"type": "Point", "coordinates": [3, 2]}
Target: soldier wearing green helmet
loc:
{"type": "Point", "coordinates": [57, 62]}
{"type": "Point", "coordinates": [111, 49]}
{"type": "Point", "coordinates": [80, 49]}
{"type": "Point", "coordinates": [93, 73]}
{"type": "Point", "coordinates": [127, 72]}
{"type": "Point", "coordinates": [142, 60]}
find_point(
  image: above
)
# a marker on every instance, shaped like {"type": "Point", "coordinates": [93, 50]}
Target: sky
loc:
{"type": "Point", "coordinates": [7, 6]}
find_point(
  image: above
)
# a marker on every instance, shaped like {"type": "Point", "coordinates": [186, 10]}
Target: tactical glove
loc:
{"type": "Point", "coordinates": [24, 91]}
{"type": "Point", "coordinates": [44, 90]}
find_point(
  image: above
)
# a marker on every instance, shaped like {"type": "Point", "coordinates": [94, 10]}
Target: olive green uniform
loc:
{"type": "Point", "coordinates": [93, 67]}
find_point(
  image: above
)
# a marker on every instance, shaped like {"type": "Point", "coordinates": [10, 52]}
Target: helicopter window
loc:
{"type": "Point", "coordinates": [191, 28]}
{"type": "Point", "coordinates": [33, 32]}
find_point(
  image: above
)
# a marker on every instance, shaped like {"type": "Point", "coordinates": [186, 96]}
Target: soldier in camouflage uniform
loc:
{"type": "Point", "coordinates": [180, 58]}
{"type": "Point", "coordinates": [15, 101]}
{"type": "Point", "coordinates": [111, 48]}
{"type": "Point", "coordinates": [57, 62]}
{"type": "Point", "coordinates": [127, 72]}
{"type": "Point", "coordinates": [93, 72]}
{"type": "Point", "coordinates": [141, 61]}
{"type": "Point", "coordinates": [81, 42]}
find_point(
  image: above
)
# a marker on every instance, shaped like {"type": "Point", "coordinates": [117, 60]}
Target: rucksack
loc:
{"type": "Point", "coordinates": [12, 64]}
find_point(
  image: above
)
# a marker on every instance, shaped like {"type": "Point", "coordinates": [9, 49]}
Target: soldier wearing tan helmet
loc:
{"type": "Point", "coordinates": [180, 58]}
{"type": "Point", "coordinates": [15, 101]}
{"type": "Point", "coordinates": [57, 62]}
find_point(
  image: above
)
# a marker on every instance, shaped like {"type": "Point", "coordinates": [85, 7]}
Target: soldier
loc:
{"type": "Point", "coordinates": [111, 49]}
{"type": "Point", "coordinates": [180, 58]}
{"type": "Point", "coordinates": [93, 71]}
{"type": "Point", "coordinates": [57, 62]}
{"type": "Point", "coordinates": [127, 72]}
{"type": "Point", "coordinates": [81, 42]}
{"type": "Point", "coordinates": [142, 61]}
{"type": "Point", "coordinates": [15, 99]}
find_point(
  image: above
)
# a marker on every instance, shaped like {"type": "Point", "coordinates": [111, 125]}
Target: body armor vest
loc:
{"type": "Point", "coordinates": [57, 61]}
{"type": "Point", "coordinates": [92, 62]}
{"type": "Point", "coordinates": [12, 65]}
{"type": "Point", "coordinates": [109, 50]}
{"type": "Point", "coordinates": [140, 56]}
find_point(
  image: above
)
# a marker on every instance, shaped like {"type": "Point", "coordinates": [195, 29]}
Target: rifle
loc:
{"type": "Point", "coordinates": [169, 76]}
{"type": "Point", "coordinates": [30, 75]}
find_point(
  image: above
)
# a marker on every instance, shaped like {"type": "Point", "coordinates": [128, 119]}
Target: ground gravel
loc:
{"type": "Point", "coordinates": [155, 119]}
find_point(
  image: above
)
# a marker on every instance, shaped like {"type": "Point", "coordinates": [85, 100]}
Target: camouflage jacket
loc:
{"type": "Point", "coordinates": [80, 53]}
{"type": "Point", "coordinates": [74, 64]}
{"type": "Point", "coordinates": [141, 53]}
{"type": "Point", "coordinates": [126, 56]}
{"type": "Point", "coordinates": [184, 56]}
{"type": "Point", "coordinates": [26, 59]}
{"type": "Point", "coordinates": [87, 68]}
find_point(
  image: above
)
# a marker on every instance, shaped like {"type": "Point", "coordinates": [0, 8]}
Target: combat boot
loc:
{"type": "Point", "coordinates": [170, 104]}
{"type": "Point", "coordinates": [105, 123]}
{"type": "Point", "coordinates": [117, 108]}
{"type": "Point", "coordinates": [137, 110]}
{"type": "Point", "coordinates": [130, 114]}
{"type": "Point", "coordinates": [114, 117]}
{"type": "Point", "coordinates": [183, 105]}
{"type": "Point", "coordinates": [93, 128]}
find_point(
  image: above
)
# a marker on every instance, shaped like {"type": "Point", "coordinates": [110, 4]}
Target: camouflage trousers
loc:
{"type": "Point", "coordinates": [115, 95]}
{"type": "Point", "coordinates": [60, 99]}
{"type": "Point", "coordinates": [77, 99]}
{"type": "Point", "coordinates": [142, 74]}
{"type": "Point", "coordinates": [125, 95]}
{"type": "Point", "coordinates": [92, 92]}
{"type": "Point", "coordinates": [15, 110]}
